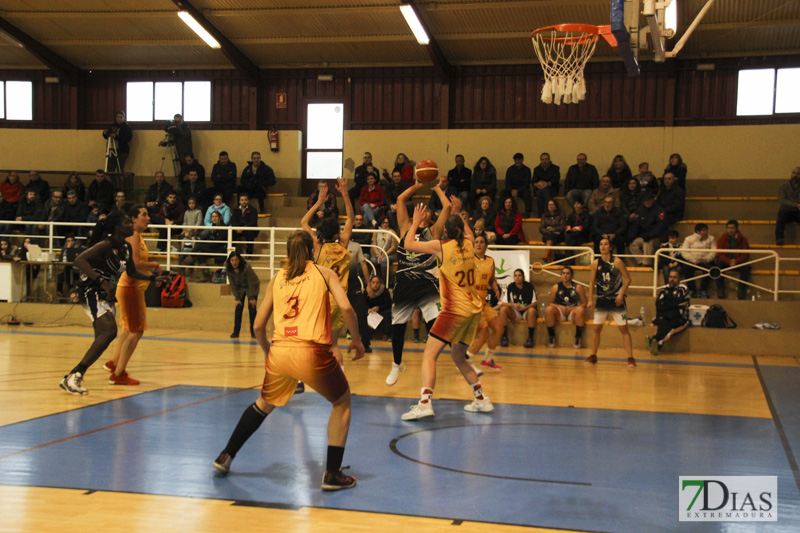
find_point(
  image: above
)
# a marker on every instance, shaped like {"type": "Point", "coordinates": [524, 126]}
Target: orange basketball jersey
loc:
{"type": "Point", "coordinates": [336, 257]}
{"type": "Point", "coordinates": [484, 272]}
{"type": "Point", "coordinates": [301, 309]}
{"type": "Point", "coordinates": [126, 281]}
{"type": "Point", "coordinates": [457, 279]}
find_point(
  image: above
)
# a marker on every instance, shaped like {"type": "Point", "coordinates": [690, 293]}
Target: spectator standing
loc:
{"type": "Point", "coordinates": [677, 168]}
{"type": "Point", "coordinates": [181, 136]}
{"type": "Point", "coordinates": [646, 230]}
{"type": "Point", "coordinates": [582, 178]}
{"type": "Point", "coordinates": [245, 215]}
{"type": "Point", "coordinates": [257, 177]}
{"type": "Point", "coordinates": [672, 311]}
{"type": "Point", "coordinates": [546, 179]}
{"type": "Point", "coordinates": [101, 192]}
{"type": "Point", "coordinates": [484, 180]}
{"type": "Point", "coordinates": [460, 177]}
{"type": "Point", "coordinates": [518, 182]}
{"type": "Point", "coordinates": [122, 134]}
{"type": "Point", "coordinates": [673, 199]}
{"type": "Point", "coordinates": [789, 199]}
{"type": "Point", "coordinates": [244, 283]}
{"type": "Point", "coordinates": [74, 183]}
{"type": "Point", "coordinates": [508, 224]}
{"type": "Point", "coordinates": [699, 243]}
{"type": "Point", "coordinates": [223, 177]}
{"type": "Point", "coordinates": [619, 172]}
{"type": "Point", "coordinates": [733, 240]}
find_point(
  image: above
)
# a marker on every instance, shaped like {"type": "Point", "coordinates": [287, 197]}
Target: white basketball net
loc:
{"type": "Point", "coordinates": [562, 61]}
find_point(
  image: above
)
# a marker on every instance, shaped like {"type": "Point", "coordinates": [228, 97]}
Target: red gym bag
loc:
{"type": "Point", "coordinates": [174, 293]}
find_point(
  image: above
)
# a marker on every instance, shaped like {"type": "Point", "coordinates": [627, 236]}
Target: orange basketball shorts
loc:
{"type": "Point", "coordinates": [312, 364]}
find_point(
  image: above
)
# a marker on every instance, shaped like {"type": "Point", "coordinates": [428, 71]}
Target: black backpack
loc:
{"type": "Point", "coordinates": [717, 317]}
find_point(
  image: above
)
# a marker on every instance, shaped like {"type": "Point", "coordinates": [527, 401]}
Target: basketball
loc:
{"type": "Point", "coordinates": [426, 171]}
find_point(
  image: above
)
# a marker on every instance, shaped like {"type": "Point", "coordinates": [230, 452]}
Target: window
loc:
{"type": "Point", "coordinates": [148, 101]}
{"type": "Point", "coordinates": [16, 100]}
{"type": "Point", "coordinates": [325, 140]}
{"type": "Point", "coordinates": [761, 92]}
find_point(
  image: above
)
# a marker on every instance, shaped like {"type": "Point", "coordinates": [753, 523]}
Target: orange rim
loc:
{"type": "Point", "coordinates": [590, 31]}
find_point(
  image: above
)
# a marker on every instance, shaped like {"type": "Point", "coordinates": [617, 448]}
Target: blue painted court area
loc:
{"type": "Point", "coordinates": [595, 470]}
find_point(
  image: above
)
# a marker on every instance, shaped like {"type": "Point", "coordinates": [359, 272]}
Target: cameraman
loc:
{"type": "Point", "coordinates": [179, 133]}
{"type": "Point", "coordinates": [122, 133]}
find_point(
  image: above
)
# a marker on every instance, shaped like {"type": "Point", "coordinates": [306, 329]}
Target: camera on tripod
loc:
{"type": "Point", "coordinates": [168, 140]}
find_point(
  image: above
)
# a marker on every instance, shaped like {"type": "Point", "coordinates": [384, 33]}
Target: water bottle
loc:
{"type": "Point", "coordinates": [643, 316]}
{"type": "Point", "coordinates": [541, 308]}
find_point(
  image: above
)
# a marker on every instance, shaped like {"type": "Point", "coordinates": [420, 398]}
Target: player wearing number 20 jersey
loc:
{"type": "Point", "coordinates": [458, 321]}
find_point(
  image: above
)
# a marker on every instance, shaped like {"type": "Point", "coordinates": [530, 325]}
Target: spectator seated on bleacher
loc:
{"type": "Point", "coordinates": [646, 179]}
{"type": "Point", "coordinates": [672, 198]}
{"type": "Point", "coordinates": [519, 304]}
{"type": "Point", "coordinates": [157, 196]}
{"type": "Point", "coordinates": [630, 198]}
{"type": "Point", "coordinates": [733, 240]}
{"type": "Point", "coordinates": [545, 181]}
{"type": "Point", "coordinates": [577, 230]}
{"type": "Point", "coordinates": [479, 228]}
{"type": "Point", "coordinates": [619, 172]}
{"type": "Point", "coordinates": [552, 227]}
{"type": "Point", "coordinates": [223, 177]}
{"type": "Point", "coordinates": [404, 166]}
{"type": "Point", "coordinates": [485, 212]}
{"type": "Point", "coordinates": [672, 311]}
{"type": "Point", "coordinates": [789, 199]}
{"type": "Point", "coordinates": [12, 188]}
{"type": "Point", "coordinates": [218, 207]}
{"type": "Point", "coordinates": [329, 208]}
{"type": "Point", "coordinates": [74, 183]}
{"type": "Point", "coordinates": [359, 178]}
{"type": "Point", "coordinates": [101, 191]}
{"type": "Point", "coordinates": [30, 210]}
{"type": "Point", "coordinates": [188, 164]}
{"type": "Point", "coordinates": [192, 187]}
{"type": "Point", "coordinates": [677, 168]}
{"type": "Point", "coordinates": [121, 203]}
{"type": "Point", "coordinates": [508, 224]}
{"type": "Point", "coordinates": [372, 200]}
{"type": "Point", "coordinates": [7, 250]}
{"type": "Point", "coordinates": [8, 211]}
{"type": "Point", "coordinates": [460, 177]}
{"type": "Point", "coordinates": [518, 182]}
{"type": "Point", "coordinates": [69, 276]}
{"type": "Point", "coordinates": [670, 258]}
{"type": "Point", "coordinates": [608, 222]}
{"type": "Point", "coordinates": [363, 238]}
{"type": "Point", "coordinates": [582, 178]}
{"type": "Point", "coordinates": [385, 242]}
{"type": "Point", "coordinates": [484, 180]}
{"type": "Point", "coordinates": [213, 240]}
{"type": "Point", "coordinates": [172, 213]}
{"type": "Point", "coordinates": [245, 215]}
{"type": "Point", "coordinates": [435, 204]}
{"type": "Point", "coordinates": [599, 194]}
{"type": "Point", "coordinates": [646, 230]}
{"type": "Point", "coordinates": [38, 185]}
{"type": "Point", "coordinates": [53, 211]}
{"type": "Point", "coordinates": [379, 302]}
{"type": "Point", "coordinates": [699, 241]}
{"type": "Point", "coordinates": [75, 211]}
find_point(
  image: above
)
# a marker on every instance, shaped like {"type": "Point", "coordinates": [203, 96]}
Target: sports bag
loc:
{"type": "Point", "coordinates": [174, 293]}
{"type": "Point", "coordinates": [717, 317]}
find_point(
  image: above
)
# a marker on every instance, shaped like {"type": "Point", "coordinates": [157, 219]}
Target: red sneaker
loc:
{"type": "Point", "coordinates": [123, 379]}
{"type": "Point", "coordinates": [110, 366]}
{"type": "Point", "coordinates": [591, 360]}
{"type": "Point", "coordinates": [491, 364]}
{"type": "Point", "coordinates": [631, 362]}
{"type": "Point", "coordinates": [337, 481]}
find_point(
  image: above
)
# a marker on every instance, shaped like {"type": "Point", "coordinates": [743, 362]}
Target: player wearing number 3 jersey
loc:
{"type": "Point", "coordinates": [298, 301]}
{"type": "Point", "coordinates": [330, 250]}
{"type": "Point", "coordinates": [460, 315]}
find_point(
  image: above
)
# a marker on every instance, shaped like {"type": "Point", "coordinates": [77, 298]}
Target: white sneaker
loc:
{"type": "Point", "coordinates": [480, 406]}
{"type": "Point", "coordinates": [391, 379]}
{"type": "Point", "coordinates": [421, 410]}
{"type": "Point", "coordinates": [72, 383]}
{"type": "Point", "coordinates": [476, 369]}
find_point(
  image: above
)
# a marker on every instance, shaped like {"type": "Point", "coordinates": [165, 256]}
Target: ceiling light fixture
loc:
{"type": "Point", "coordinates": [413, 22]}
{"type": "Point", "coordinates": [198, 29]}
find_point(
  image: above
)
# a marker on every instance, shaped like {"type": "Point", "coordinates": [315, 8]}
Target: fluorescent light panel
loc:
{"type": "Point", "coordinates": [198, 29]}
{"type": "Point", "coordinates": [671, 16]}
{"type": "Point", "coordinates": [414, 23]}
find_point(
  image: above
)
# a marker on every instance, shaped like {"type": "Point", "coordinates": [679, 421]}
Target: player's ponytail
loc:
{"type": "Point", "coordinates": [454, 229]}
{"type": "Point", "coordinates": [299, 249]}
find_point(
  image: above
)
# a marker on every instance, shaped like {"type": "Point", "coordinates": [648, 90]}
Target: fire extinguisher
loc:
{"type": "Point", "coordinates": [273, 140]}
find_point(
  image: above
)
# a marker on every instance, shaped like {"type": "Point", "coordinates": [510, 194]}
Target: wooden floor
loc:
{"type": "Point", "coordinates": [32, 361]}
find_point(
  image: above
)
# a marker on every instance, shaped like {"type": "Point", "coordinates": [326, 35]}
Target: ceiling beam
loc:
{"type": "Point", "coordinates": [51, 59]}
{"type": "Point", "coordinates": [440, 62]}
{"type": "Point", "coordinates": [237, 58]}
{"type": "Point", "coordinates": [747, 24]}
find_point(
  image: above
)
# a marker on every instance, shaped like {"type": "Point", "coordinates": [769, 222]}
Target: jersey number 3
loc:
{"type": "Point", "coordinates": [294, 308]}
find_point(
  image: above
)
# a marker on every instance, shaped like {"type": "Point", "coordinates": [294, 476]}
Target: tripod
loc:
{"type": "Point", "coordinates": [111, 155]}
{"type": "Point", "coordinates": [169, 149]}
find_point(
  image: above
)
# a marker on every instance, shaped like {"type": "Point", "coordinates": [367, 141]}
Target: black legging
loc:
{"type": "Point", "coordinates": [105, 331]}
{"type": "Point", "coordinates": [237, 316]}
{"type": "Point", "coordinates": [399, 339]}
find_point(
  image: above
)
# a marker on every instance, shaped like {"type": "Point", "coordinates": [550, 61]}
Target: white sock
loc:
{"type": "Point", "coordinates": [477, 390]}
{"type": "Point", "coordinates": [425, 395]}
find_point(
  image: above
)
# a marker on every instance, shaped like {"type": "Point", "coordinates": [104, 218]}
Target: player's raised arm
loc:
{"type": "Point", "coordinates": [305, 222]}
{"type": "Point", "coordinates": [403, 222]}
{"type": "Point", "coordinates": [424, 247]}
{"type": "Point", "coordinates": [347, 231]}
{"type": "Point", "coordinates": [447, 208]}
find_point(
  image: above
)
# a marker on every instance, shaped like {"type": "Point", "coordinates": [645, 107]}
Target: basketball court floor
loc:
{"type": "Point", "coordinates": [568, 447]}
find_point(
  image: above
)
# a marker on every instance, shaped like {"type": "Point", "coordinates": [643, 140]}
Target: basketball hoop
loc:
{"type": "Point", "coordinates": [563, 51]}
